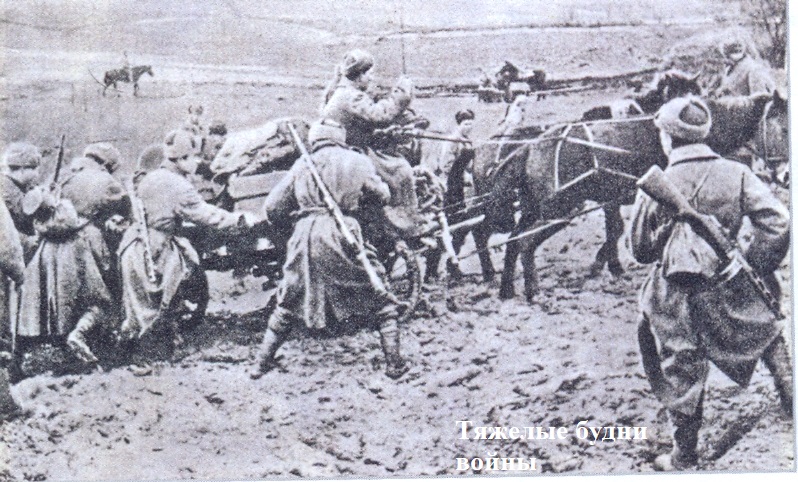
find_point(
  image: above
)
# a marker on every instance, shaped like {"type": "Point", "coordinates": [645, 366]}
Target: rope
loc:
{"type": "Point", "coordinates": [549, 225]}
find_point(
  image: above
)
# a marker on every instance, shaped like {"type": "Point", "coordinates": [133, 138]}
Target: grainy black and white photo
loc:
{"type": "Point", "coordinates": [346, 239]}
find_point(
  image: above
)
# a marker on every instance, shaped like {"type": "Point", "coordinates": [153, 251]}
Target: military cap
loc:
{"type": "Point", "coordinates": [104, 153]}
{"type": "Point", "coordinates": [22, 154]}
{"type": "Point", "coordinates": [178, 144]}
{"type": "Point", "coordinates": [356, 62]}
{"type": "Point", "coordinates": [686, 118]}
{"type": "Point", "coordinates": [327, 129]}
{"type": "Point", "coordinates": [466, 114]}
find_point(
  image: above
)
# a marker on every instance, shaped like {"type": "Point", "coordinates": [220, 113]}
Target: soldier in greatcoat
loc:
{"type": "Point", "coordinates": [348, 102]}
{"type": "Point", "coordinates": [70, 277]}
{"type": "Point", "coordinates": [162, 281]}
{"type": "Point", "coordinates": [99, 197]}
{"type": "Point", "coordinates": [691, 313]}
{"type": "Point", "coordinates": [744, 75]}
{"type": "Point", "coordinates": [453, 166]}
{"type": "Point", "coordinates": [322, 274]}
{"type": "Point", "coordinates": [19, 174]}
{"type": "Point", "coordinates": [11, 269]}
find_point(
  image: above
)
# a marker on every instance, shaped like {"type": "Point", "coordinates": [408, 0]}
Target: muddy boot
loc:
{"type": "Point", "coordinates": [77, 337]}
{"type": "Point", "coordinates": [685, 441]}
{"type": "Point", "coordinates": [395, 365]}
{"type": "Point", "coordinates": [9, 409]}
{"type": "Point", "coordinates": [272, 341]}
{"type": "Point", "coordinates": [777, 359]}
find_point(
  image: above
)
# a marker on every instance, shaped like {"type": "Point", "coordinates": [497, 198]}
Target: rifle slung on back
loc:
{"type": "Point", "coordinates": [660, 189]}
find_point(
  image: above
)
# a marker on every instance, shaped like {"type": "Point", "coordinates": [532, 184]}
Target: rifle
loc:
{"type": "Point", "coordinates": [140, 218]}
{"type": "Point", "coordinates": [58, 164]}
{"type": "Point", "coordinates": [60, 161]}
{"type": "Point", "coordinates": [338, 215]}
{"type": "Point", "coordinates": [655, 184]}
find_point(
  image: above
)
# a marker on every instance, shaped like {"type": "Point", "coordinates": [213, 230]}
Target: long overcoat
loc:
{"type": "Point", "coordinates": [694, 316]}
{"type": "Point", "coordinates": [170, 203]}
{"type": "Point", "coordinates": [322, 274]}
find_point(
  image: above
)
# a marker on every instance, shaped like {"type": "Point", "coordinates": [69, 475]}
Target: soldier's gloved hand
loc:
{"type": "Point", "coordinates": [116, 224]}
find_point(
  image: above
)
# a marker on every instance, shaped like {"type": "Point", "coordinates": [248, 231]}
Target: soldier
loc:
{"type": "Point", "coordinates": [691, 314]}
{"type": "Point", "coordinates": [20, 173]}
{"type": "Point", "coordinates": [348, 103]}
{"type": "Point", "coordinates": [162, 281]}
{"type": "Point", "coordinates": [322, 274]}
{"type": "Point", "coordinates": [65, 294]}
{"type": "Point", "coordinates": [744, 75]}
{"type": "Point", "coordinates": [453, 167]}
{"type": "Point", "coordinates": [98, 197]}
{"type": "Point", "coordinates": [11, 269]}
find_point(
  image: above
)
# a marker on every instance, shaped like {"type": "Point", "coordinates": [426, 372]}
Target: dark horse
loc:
{"type": "Point", "coordinates": [125, 75]}
{"type": "Point", "coordinates": [598, 160]}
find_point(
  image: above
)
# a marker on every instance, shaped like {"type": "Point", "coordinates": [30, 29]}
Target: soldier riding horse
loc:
{"type": "Point", "coordinates": [126, 75]}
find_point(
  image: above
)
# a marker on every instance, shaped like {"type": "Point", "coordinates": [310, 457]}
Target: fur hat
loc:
{"type": "Point", "coordinates": [179, 144]}
{"type": "Point", "coordinates": [356, 62]}
{"type": "Point", "coordinates": [466, 114]}
{"type": "Point", "coordinates": [22, 154]}
{"type": "Point", "coordinates": [326, 129]}
{"type": "Point", "coordinates": [687, 118]}
{"type": "Point", "coordinates": [104, 153]}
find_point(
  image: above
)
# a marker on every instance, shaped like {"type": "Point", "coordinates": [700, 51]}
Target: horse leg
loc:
{"type": "Point", "coordinates": [458, 239]}
{"type": "Point", "coordinates": [135, 89]}
{"type": "Point", "coordinates": [528, 250]}
{"type": "Point", "coordinates": [529, 269]}
{"type": "Point", "coordinates": [481, 238]}
{"type": "Point", "coordinates": [507, 287]}
{"type": "Point", "coordinates": [433, 260]}
{"type": "Point", "coordinates": [608, 253]}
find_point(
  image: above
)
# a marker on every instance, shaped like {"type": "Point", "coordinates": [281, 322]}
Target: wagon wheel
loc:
{"type": "Point", "coordinates": [403, 278]}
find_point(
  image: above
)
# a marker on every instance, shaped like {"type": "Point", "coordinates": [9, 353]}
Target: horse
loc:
{"type": "Point", "coordinates": [597, 160]}
{"type": "Point", "coordinates": [132, 74]}
{"type": "Point", "coordinates": [772, 140]}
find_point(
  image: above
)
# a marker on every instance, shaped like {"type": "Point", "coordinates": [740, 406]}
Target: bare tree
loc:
{"type": "Point", "coordinates": [770, 17]}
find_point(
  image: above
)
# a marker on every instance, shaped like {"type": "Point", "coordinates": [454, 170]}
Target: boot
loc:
{"type": "Point", "coordinates": [395, 365]}
{"type": "Point", "coordinates": [271, 343]}
{"type": "Point", "coordinates": [777, 360]}
{"type": "Point", "coordinates": [77, 337]}
{"type": "Point", "coordinates": [685, 441]}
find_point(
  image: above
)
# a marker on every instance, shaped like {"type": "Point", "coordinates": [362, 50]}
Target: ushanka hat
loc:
{"type": "Point", "coordinates": [356, 62]}
{"type": "Point", "coordinates": [687, 118]}
{"type": "Point", "coordinates": [22, 154]}
{"type": "Point", "coordinates": [104, 153]}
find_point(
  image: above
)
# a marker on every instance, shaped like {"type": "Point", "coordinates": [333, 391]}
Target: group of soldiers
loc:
{"type": "Point", "coordinates": [75, 247]}
{"type": "Point", "coordinates": [92, 260]}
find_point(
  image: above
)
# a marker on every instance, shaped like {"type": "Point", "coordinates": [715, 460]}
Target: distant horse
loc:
{"type": "Point", "coordinates": [124, 75]}
{"type": "Point", "coordinates": [569, 164]}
